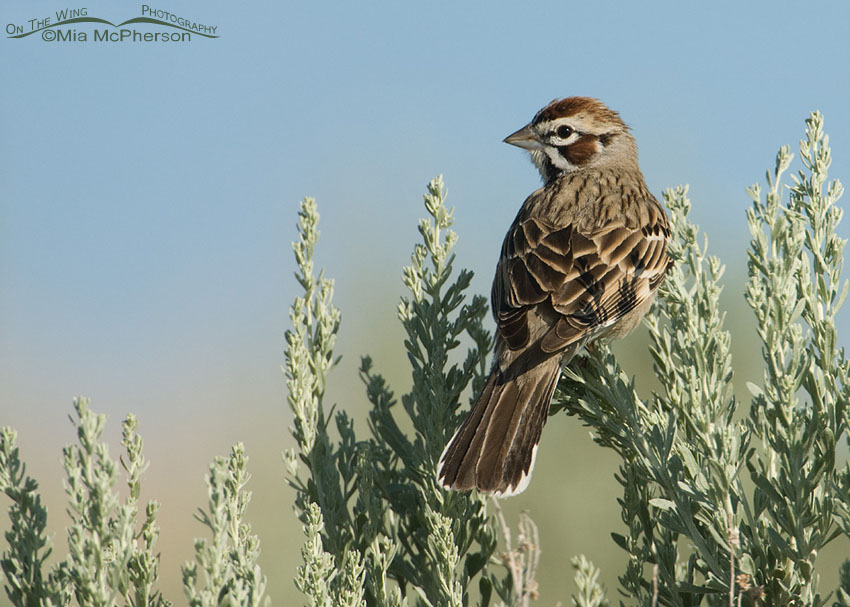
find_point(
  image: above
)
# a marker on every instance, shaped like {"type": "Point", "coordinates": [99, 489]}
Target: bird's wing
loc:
{"type": "Point", "coordinates": [589, 280]}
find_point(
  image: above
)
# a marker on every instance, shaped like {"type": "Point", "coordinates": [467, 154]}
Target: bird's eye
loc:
{"type": "Point", "coordinates": [564, 131]}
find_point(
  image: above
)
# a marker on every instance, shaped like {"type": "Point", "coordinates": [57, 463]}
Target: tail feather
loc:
{"type": "Point", "coordinates": [494, 449]}
{"type": "Point", "coordinates": [533, 428]}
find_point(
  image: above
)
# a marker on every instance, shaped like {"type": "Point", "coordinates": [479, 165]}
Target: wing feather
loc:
{"type": "Point", "coordinates": [564, 283]}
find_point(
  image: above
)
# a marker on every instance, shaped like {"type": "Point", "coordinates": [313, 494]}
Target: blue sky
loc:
{"type": "Point", "coordinates": [150, 191]}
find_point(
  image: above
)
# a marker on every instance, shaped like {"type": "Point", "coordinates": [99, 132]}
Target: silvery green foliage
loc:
{"type": "Point", "coordinates": [729, 509]}
{"type": "Point", "coordinates": [112, 560]}
{"type": "Point", "coordinates": [105, 563]}
{"type": "Point", "coordinates": [319, 579]}
{"type": "Point", "coordinates": [801, 411]}
{"type": "Point", "coordinates": [27, 583]}
{"type": "Point", "coordinates": [435, 526]}
{"type": "Point", "coordinates": [143, 564]}
{"type": "Point", "coordinates": [108, 562]}
{"type": "Point", "coordinates": [225, 571]}
{"type": "Point", "coordinates": [590, 591]}
{"type": "Point", "coordinates": [322, 498]}
{"type": "Point", "coordinates": [379, 528]}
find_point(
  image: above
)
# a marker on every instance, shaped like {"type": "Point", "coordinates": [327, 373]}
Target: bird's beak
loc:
{"type": "Point", "coordinates": [524, 138]}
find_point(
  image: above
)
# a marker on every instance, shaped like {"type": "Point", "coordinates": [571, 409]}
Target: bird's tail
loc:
{"type": "Point", "coordinates": [494, 449]}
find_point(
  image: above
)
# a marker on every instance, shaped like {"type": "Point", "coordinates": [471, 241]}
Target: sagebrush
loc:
{"type": "Point", "coordinates": [725, 502]}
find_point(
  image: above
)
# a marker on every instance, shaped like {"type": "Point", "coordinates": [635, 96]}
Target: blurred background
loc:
{"type": "Point", "coordinates": [149, 197]}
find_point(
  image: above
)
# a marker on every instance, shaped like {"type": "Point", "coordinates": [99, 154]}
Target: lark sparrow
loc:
{"type": "Point", "coordinates": [581, 262]}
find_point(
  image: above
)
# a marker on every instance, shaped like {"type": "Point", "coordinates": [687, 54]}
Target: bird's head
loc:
{"type": "Point", "coordinates": [575, 133]}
